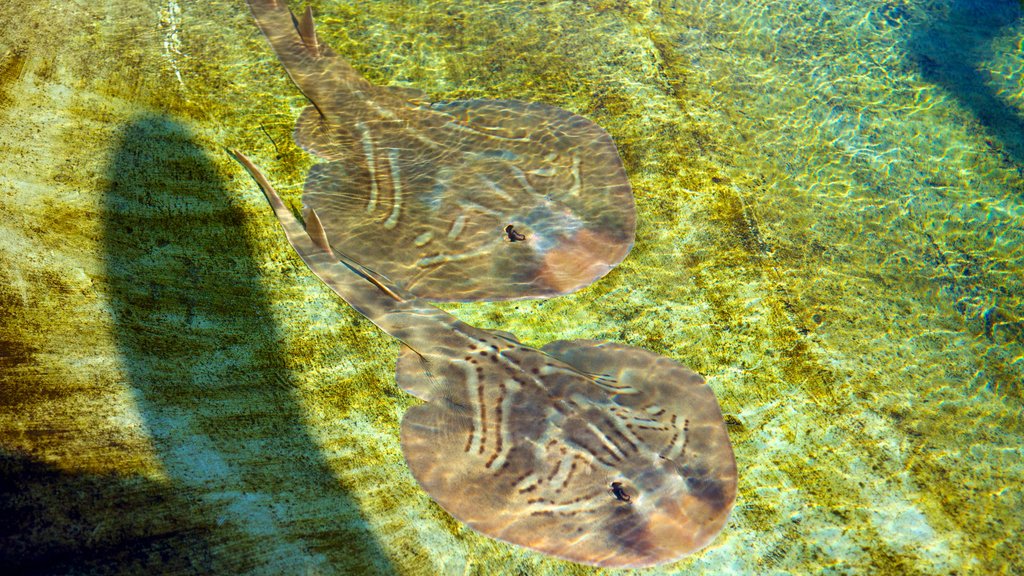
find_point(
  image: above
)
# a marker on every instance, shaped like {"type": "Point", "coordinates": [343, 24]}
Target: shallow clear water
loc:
{"type": "Point", "coordinates": [829, 202]}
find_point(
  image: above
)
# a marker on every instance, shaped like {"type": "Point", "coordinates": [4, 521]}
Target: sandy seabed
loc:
{"type": "Point", "coordinates": [829, 202]}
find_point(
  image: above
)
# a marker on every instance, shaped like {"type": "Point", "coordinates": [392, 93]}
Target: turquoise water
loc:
{"type": "Point", "coordinates": [829, 205]}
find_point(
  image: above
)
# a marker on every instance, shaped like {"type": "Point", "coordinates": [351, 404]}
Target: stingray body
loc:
{"type": "Point", "coordinates": [594, 452]}
{"type": "Point", "coordinates": [425, 191]}
{"type": "Point", "coordinates": [599, 453]}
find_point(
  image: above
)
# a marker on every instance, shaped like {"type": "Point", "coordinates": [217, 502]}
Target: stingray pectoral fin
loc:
{"type": "Point", "coordinates": [506, 335]}
{"type": "Point", "coordinates": [628, 365]}
{"type": "Point", "coordinates": [314, 134]}
{"type": "Point", "coordinates": [672, 410]}
{"type": "Point", "coordinates": [409, 94]}
{"type": "Point", "coordinates": [635, 471]}
{"type": "Point", "coordinates": [413, 375]}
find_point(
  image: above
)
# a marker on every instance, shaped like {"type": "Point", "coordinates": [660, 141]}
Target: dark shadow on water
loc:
{"type": "Point", "coordinates": [201, 354]}
{"type": "Point", "coordinates": [950, 52]}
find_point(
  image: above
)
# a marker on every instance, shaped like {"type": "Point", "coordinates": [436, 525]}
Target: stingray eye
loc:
{"type": "Point", "coordinates": [513, 235]}
{"type": "Point", "coordinates": [619, 492]}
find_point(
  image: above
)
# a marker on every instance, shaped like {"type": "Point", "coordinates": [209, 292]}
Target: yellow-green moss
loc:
{"type": "Point", "coordinates": [825, 231]}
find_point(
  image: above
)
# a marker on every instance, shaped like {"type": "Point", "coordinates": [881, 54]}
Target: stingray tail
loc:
{"type": "Point", "coordinates": [395, 310]}
{"type": "Point", "coordinates": [310, 240]}
{"type": "Point", "coordinates": [312, 65]}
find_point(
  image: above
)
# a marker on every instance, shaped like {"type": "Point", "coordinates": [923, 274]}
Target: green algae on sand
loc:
{"type": "Point", "coordinates": [850, 249]}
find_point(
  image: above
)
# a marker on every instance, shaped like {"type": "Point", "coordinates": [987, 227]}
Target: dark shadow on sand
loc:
{"type": "Point", "coordinates": [950, 52]}
{"type": "Point", "coordinates": [59, 522]}
{"type": "Point", "coordinates": [200, 351]}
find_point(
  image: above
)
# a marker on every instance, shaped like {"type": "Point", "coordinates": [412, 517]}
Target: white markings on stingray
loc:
{"type": "Point", "coordinates": [678, 444]}
{"type": "Point", "coordinates": [503, 431]}
{"type": "Point", "coordinates": [494, 188]}
{"type": "Point", "coordinates": [440, 258]}
{"type": "Point", "coordinates": [367, 141]}
{"type": "Point", "coordinates": [584, 503]}
{"type": "Point", "coordinates": [562, 470]}
{"type": "Point", "coordinates": [610, 446]}
{"type": "Point", "coordinates": [424, 238]}
{"type": "Point", "coordinates": [521, 178]}
{"type": "Point", "coordinates": [527, 482]}
{"type": "Point", "coordinates": [477, 436]}
{"type": "Point", "coordinates": [396, 188]}
{"type": "Point", "coordinates": [457, 226]}
{"type": "Point", "coordinates": [464, 128]}
{"type": "Point", "coordinates": [490, 211]}
{"type": "Point", "coordinates": [575, 190]}
{"type": "Point", "coordinates": [383, 112]}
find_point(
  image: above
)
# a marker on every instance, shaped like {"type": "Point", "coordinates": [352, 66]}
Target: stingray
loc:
{"type": "Point", "coordinates": [461, 200]}
{"type": "Point", "coordinates": [595, 452]}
